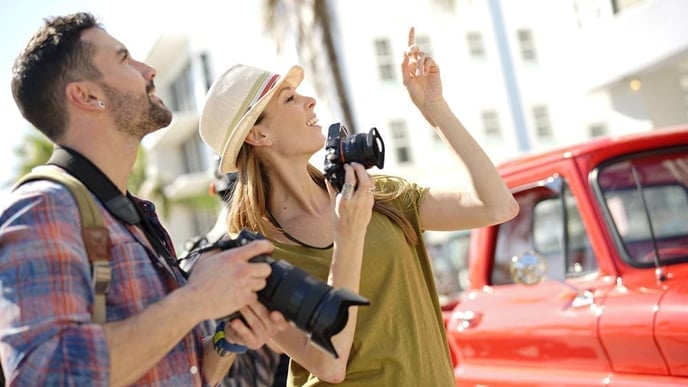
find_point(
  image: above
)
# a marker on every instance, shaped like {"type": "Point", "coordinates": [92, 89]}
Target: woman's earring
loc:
{"type": "Point", "coordinates": [101, 104]}
{"type": "Point", "coordinates": [268, 140]}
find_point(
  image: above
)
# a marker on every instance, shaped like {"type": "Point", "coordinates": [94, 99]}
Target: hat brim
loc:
{"type": "Point", "coordinates": [236, 139]}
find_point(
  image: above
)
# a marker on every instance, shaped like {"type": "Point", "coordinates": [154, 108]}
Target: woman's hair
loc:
{"type": "Point", "coordinates": [248, 204]}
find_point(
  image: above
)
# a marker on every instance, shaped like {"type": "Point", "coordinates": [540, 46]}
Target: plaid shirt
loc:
{"type": "Point", "coordinates": [46, 296]}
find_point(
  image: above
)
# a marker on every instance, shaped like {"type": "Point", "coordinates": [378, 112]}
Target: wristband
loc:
{"type": "Point", "coordinates": [222, 346]}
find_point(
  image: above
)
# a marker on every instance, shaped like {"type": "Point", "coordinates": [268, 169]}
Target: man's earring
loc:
{"type": "Point", "coordinates": [268, 140]}
{"type": "Point", "coordinates": [101, 104]}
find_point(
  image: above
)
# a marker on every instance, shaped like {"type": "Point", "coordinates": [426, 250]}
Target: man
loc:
{"type": "Point", "coordinates": [79, 86]}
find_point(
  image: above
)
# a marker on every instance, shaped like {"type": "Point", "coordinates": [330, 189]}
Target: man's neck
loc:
{"type": "Point", "coordinates": [116, 162]}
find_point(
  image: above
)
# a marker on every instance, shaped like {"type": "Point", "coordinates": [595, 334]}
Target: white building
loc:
{"type": "Point", "coordinates": [523, 76]}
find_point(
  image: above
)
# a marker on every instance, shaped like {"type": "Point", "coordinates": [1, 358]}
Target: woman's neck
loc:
{"type": "Point", "coordinates": [296, 194]}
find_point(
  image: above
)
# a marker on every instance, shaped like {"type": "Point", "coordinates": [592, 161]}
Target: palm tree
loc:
{"type": "Point", "coordinates": [314, 30]}
{"type": "Point", "coordinates": [312, 35]}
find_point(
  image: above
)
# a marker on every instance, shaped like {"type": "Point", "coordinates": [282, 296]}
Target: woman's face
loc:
{"type": "Point", "coordinates": [290, 122]}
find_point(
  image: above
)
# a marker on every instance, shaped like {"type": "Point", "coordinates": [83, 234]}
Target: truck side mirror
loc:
{"type": "Point", "coordinates": [528, 269]}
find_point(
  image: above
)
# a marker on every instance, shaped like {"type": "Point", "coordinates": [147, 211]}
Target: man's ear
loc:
{"type": "Point", "coordinates": [84, 96]}
{"type": "Point", "coordinates": [257, 137]}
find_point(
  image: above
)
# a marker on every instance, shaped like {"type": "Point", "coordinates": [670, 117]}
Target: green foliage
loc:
{"type": "Point", "coordinates": [283, 18]}
{"type": "Point", "coordinates": [33, 151]}
{"type": "Point", "coordinates": [138, 172]}
{"type": "Point", "coordinates": [36, 149]}
{"type": "Point", "coordinates": [201, 202]}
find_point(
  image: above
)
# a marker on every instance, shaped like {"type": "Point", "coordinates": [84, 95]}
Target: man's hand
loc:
{"type": "Point", "coordinates": [225, 281]}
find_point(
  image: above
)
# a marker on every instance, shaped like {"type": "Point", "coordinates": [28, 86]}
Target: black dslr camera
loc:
{"type": "Point", "coordinates": [363, 148]}
{"type": "Point", "coordinates": [308, 303]}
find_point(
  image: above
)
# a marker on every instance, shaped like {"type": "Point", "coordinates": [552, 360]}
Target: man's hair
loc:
{"type": "Point", "coordinates": [54, 57]}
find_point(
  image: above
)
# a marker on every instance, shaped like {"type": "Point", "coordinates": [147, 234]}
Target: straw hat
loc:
{"type": "Point", "coordinates": [234, 102]}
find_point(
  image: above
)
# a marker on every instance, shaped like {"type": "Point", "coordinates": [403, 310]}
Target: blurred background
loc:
{"type": "Point", "coordinates": [524, 76]}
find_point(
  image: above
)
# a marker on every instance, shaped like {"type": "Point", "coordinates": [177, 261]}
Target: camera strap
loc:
{"type": "Point", "coordinates": [122, 207]}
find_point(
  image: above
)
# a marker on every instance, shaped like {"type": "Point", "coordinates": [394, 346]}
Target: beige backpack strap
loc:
{"type": "Point", "coordinates": [96, 236]}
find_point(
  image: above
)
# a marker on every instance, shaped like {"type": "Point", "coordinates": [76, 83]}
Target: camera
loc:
{"type": "Point", "coordinates": [341, 148]}
{"type": "Point", "coordinates": [311, 305]}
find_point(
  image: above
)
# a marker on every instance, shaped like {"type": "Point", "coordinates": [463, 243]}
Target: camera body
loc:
{"type": "Point", "coordinates": [306, 302]}
{"type": "Point", "coordinates": [367, 149]}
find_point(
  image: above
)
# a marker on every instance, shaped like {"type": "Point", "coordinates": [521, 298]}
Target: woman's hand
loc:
{"type": "Point", "coordinates": [421, 77]}
{"type": "Point", "coordinates": [352, 213]}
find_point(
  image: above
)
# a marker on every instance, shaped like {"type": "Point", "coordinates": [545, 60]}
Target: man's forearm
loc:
{"type": "Point", "coordinates": [160, 326]}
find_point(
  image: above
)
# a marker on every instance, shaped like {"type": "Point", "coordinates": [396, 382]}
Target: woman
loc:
{"type": "Point", "coordinates": [367, 240]}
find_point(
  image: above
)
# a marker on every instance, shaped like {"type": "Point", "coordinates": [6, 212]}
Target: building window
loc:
{"type": "Point", "coordinates": [543, 126]}
{"type": "Point", "coordinates": [449, 260]}
{"type": "Point", "coordinates": [400, 139]}
{"type": "Point", "coordinates": [491, 126]}
{"type": "Point", "coordinates": [623, 5]}
{"type": "Point", "coordinates": [194, 158]}
{"type": "Point", "coordinates": [598, 129]}
{"type": "Point", "coordinates": [527, 43]}
{"type": "Point", "coordinates": [386, 64]}
{"type": "Point", "coordinates": [476, 46]}
{"type": "Point", "coordinates": [587, 11]}
{"type": "Point", "coordinates": [182, 91]}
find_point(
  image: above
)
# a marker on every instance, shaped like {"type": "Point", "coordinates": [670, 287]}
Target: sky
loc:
{"type": "Point", "coordinates": [135, 23]}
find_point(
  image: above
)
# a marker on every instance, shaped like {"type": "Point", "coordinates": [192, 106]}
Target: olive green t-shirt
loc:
{"type": "Point", "coordinates": [400, 338]}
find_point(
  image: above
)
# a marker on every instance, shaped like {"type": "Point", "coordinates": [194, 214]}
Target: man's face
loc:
{"type": "Point", "coordinates": [128, 86]}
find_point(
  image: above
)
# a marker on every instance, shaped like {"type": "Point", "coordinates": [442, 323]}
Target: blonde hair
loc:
{"type": "Point", "coordinates": [248, 203]}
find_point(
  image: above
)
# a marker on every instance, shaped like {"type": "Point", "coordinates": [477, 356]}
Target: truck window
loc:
{"type": "Point", "coordinates": [646, 203]}
{"type": "Point", "coordinates": [539, 228]}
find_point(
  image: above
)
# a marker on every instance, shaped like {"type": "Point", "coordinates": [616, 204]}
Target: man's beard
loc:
{"type": "Point", "coordinates": [135, 113]}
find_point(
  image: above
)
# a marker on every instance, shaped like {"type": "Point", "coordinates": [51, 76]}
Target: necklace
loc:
{"type": "Point", "coordinates": [291, 238]}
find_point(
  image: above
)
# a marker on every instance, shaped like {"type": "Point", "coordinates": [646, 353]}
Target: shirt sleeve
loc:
{"type": "Point", "coordinates": [408, 197]}
{"type": "Point", "coordinates": [46, 334]}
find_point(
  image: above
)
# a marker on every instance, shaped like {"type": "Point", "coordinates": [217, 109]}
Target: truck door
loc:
{"type": "Point", "coordinates": [644, 196]}
{"type": "Point", "coordinates": [542, 334]}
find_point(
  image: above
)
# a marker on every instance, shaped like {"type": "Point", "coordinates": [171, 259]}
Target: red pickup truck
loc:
{"type": "Point", "coordinates": [588, 285]}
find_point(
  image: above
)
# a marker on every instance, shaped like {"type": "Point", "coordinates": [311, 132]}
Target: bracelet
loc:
{"type": "Point", "coordinates": [222, 346]}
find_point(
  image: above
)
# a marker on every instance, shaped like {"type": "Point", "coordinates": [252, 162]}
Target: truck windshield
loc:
{"type": "Point", "coordinates": [646, 202]}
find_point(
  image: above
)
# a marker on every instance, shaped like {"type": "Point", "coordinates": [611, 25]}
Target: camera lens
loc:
{"type": "Point", "coordinates": [341, 148]}
{"type": "Point", "coordinates": [364, 148]}
{"type": "Point", "coordinates": [310, 304]}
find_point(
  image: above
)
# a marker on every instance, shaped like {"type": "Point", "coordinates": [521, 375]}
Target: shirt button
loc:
{"type": "Point", "coordinates": [193, 370]}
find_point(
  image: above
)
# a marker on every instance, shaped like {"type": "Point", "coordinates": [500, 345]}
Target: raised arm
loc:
{"type": "Point", "coordinates": [490, 202]}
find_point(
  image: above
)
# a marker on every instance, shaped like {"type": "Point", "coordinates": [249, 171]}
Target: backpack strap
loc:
{"type": "Point", "coordinates": [96, 236]}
